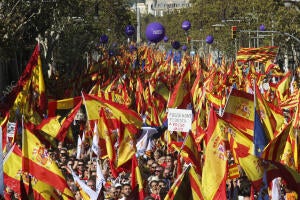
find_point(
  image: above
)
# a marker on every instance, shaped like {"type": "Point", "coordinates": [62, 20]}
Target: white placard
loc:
{"type": "Point", "coordinates": [179, 120]}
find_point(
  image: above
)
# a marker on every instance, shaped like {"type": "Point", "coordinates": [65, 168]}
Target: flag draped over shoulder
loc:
{"type": "Point", "coordinates": [260, 54]}
{"type": "Point", "coordinates": [214, 173]}
{"type": "Point", "coordinates": [13, 171]}
{"type": "Point", "coordinates": [36, 161]}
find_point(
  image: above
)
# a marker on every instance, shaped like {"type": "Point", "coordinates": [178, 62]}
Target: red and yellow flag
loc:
{"type": "Point", "coordinates": [186, 186]}
{"type": "Point", "coordinates": [30, 97]}
{"type": "Point", "coordinates": [214, 173]}
{"type": "Point", "coordinates": [12, 169]}
{"type": "Point", "coordinates": [239, 111]}
{"type": "Point", "coordinates": [114, 111]}
{"type": "Point", "coordinates": [136, 178]}
{"type": "Point", "coordinates": [63, 104]}
{"type": "Point", "coordinates": [37, 161]}
{"type": "Point", "coordinates": [180, 96]}
{"type": "Point", "coordinates": [57, 127]}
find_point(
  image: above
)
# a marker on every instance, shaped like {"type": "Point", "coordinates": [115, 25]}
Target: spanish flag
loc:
{"type": "Point", "coordinates": [13, 171]}
{"type": "Point", "coordinates": [214, 173]}
{"type": "Point", "coordinates": [29, 94]}
{"type": "Point", "coordinates": [136, 178]}
{"type": "Point", "coordinates": [114, 111]}
{"type": "Point", "coordinates": [36, 161]}
{"type": "Point", "coordinates": [180, 96]}
{"type": "Point", "coordinates": [57, 127]}
{"type": "Point", "coordinates": [239, 111]}
{"type": "Point", "coordinates": [62, 104]}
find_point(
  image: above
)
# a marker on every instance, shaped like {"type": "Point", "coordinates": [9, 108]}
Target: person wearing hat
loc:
{"type": "Point", "coordinates": [154, 189]}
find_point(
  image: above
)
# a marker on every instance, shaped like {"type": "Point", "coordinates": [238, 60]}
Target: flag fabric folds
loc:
{"type": "Point", "coordinates": [13, 171]}
{"type": "Point", "coordinates": [186, 186]}
{"type": "Point", "coordinates": [29, 94]}
{"type": "Point", "coordinates": [260, 54]}
{"type": "Point", "coordinates": [57, 127]}
{"type": "Point", "coordinates": [214, 173]}
{"type": "Point", "coordinates": [36, 161]}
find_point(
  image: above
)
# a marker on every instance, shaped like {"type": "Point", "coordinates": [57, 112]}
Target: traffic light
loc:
{"type": "Point", "coordinates": [233, 32]}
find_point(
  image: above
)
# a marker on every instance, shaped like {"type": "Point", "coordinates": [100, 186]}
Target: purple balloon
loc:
{"type": "Point", "coordinates": [175, 45]}
{"type": "Point", "coordinates": [186, 25]}
{"type": "Point", "coordinates": [132, 48]}
{"type": "Point", "coordinates": [184, 47]}
{"type": "Point", "coordinates": [155, 32]}
{"type": "Point", "coordinates": [166, 39]}
{"type": "Point", "coordinates": [262, 27]}
{"type": "Point", "coordinates": [209, 39]}
{"type": "Point", "coordinates": [103, 39]}
{"type": "Point", "coordinates": [130, 30]}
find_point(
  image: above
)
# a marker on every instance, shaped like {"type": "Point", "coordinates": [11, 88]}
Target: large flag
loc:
{"type": "Point", "coordinates": [36, 161]}
{"type": "Point", "coordinates": [57, 127]}
{"type": "Point", "coordinates": [214, 173]}
{"type": "Point", "coordinates": [240, 146]}
{"type": "Point", "coordinates": [13, 171]}
{"type": "Point", "coordinates": [127, 145]}
{"type": "Point", "coordinates": [113, 111]}
{"type": "Point", "coordinates": [29, 94]}
{"type": "Point", "coordinates": [260, 54]}
{"type": "Point", "coordinates": [186, 186]}
{"type": "Point", "coordinates": [239, 111]}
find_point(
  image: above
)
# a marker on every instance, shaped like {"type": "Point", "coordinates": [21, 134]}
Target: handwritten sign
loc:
{"type": "Point", "coordinates": [179, 120]}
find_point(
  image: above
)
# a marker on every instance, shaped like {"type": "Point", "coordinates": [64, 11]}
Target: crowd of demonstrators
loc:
{"type": "Point", "coordinates": [159, 169]}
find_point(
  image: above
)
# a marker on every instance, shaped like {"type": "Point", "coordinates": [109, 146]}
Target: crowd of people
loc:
{"type": "Point", "coordinates": [87, 172]}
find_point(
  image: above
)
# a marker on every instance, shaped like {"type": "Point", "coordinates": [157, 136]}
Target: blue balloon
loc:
{"type": "Point", "coordinates": [103, 39]}
{"type": "Point", "coordinates": [132, 48]}
{"type": "Point", "coordinates": [166, 39]}
{"type": "Point", "coordinates": [130, 30]}
{"type": "Point", "coordinates": [184, 47]}
{"type": "Point", "coordinates": [155, 32]}
{"type": "Point", "coordinates": [209, 39]}
{"type": "Point", "coordinates": [175, 45]}
{"type": "Point", "coordinates": [262, 27]}
{"type": "Point", "coordinates": [186, 25]}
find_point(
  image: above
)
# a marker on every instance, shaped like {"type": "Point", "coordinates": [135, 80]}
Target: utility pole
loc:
{"type": "Point", "coordinates": [138, 28]}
